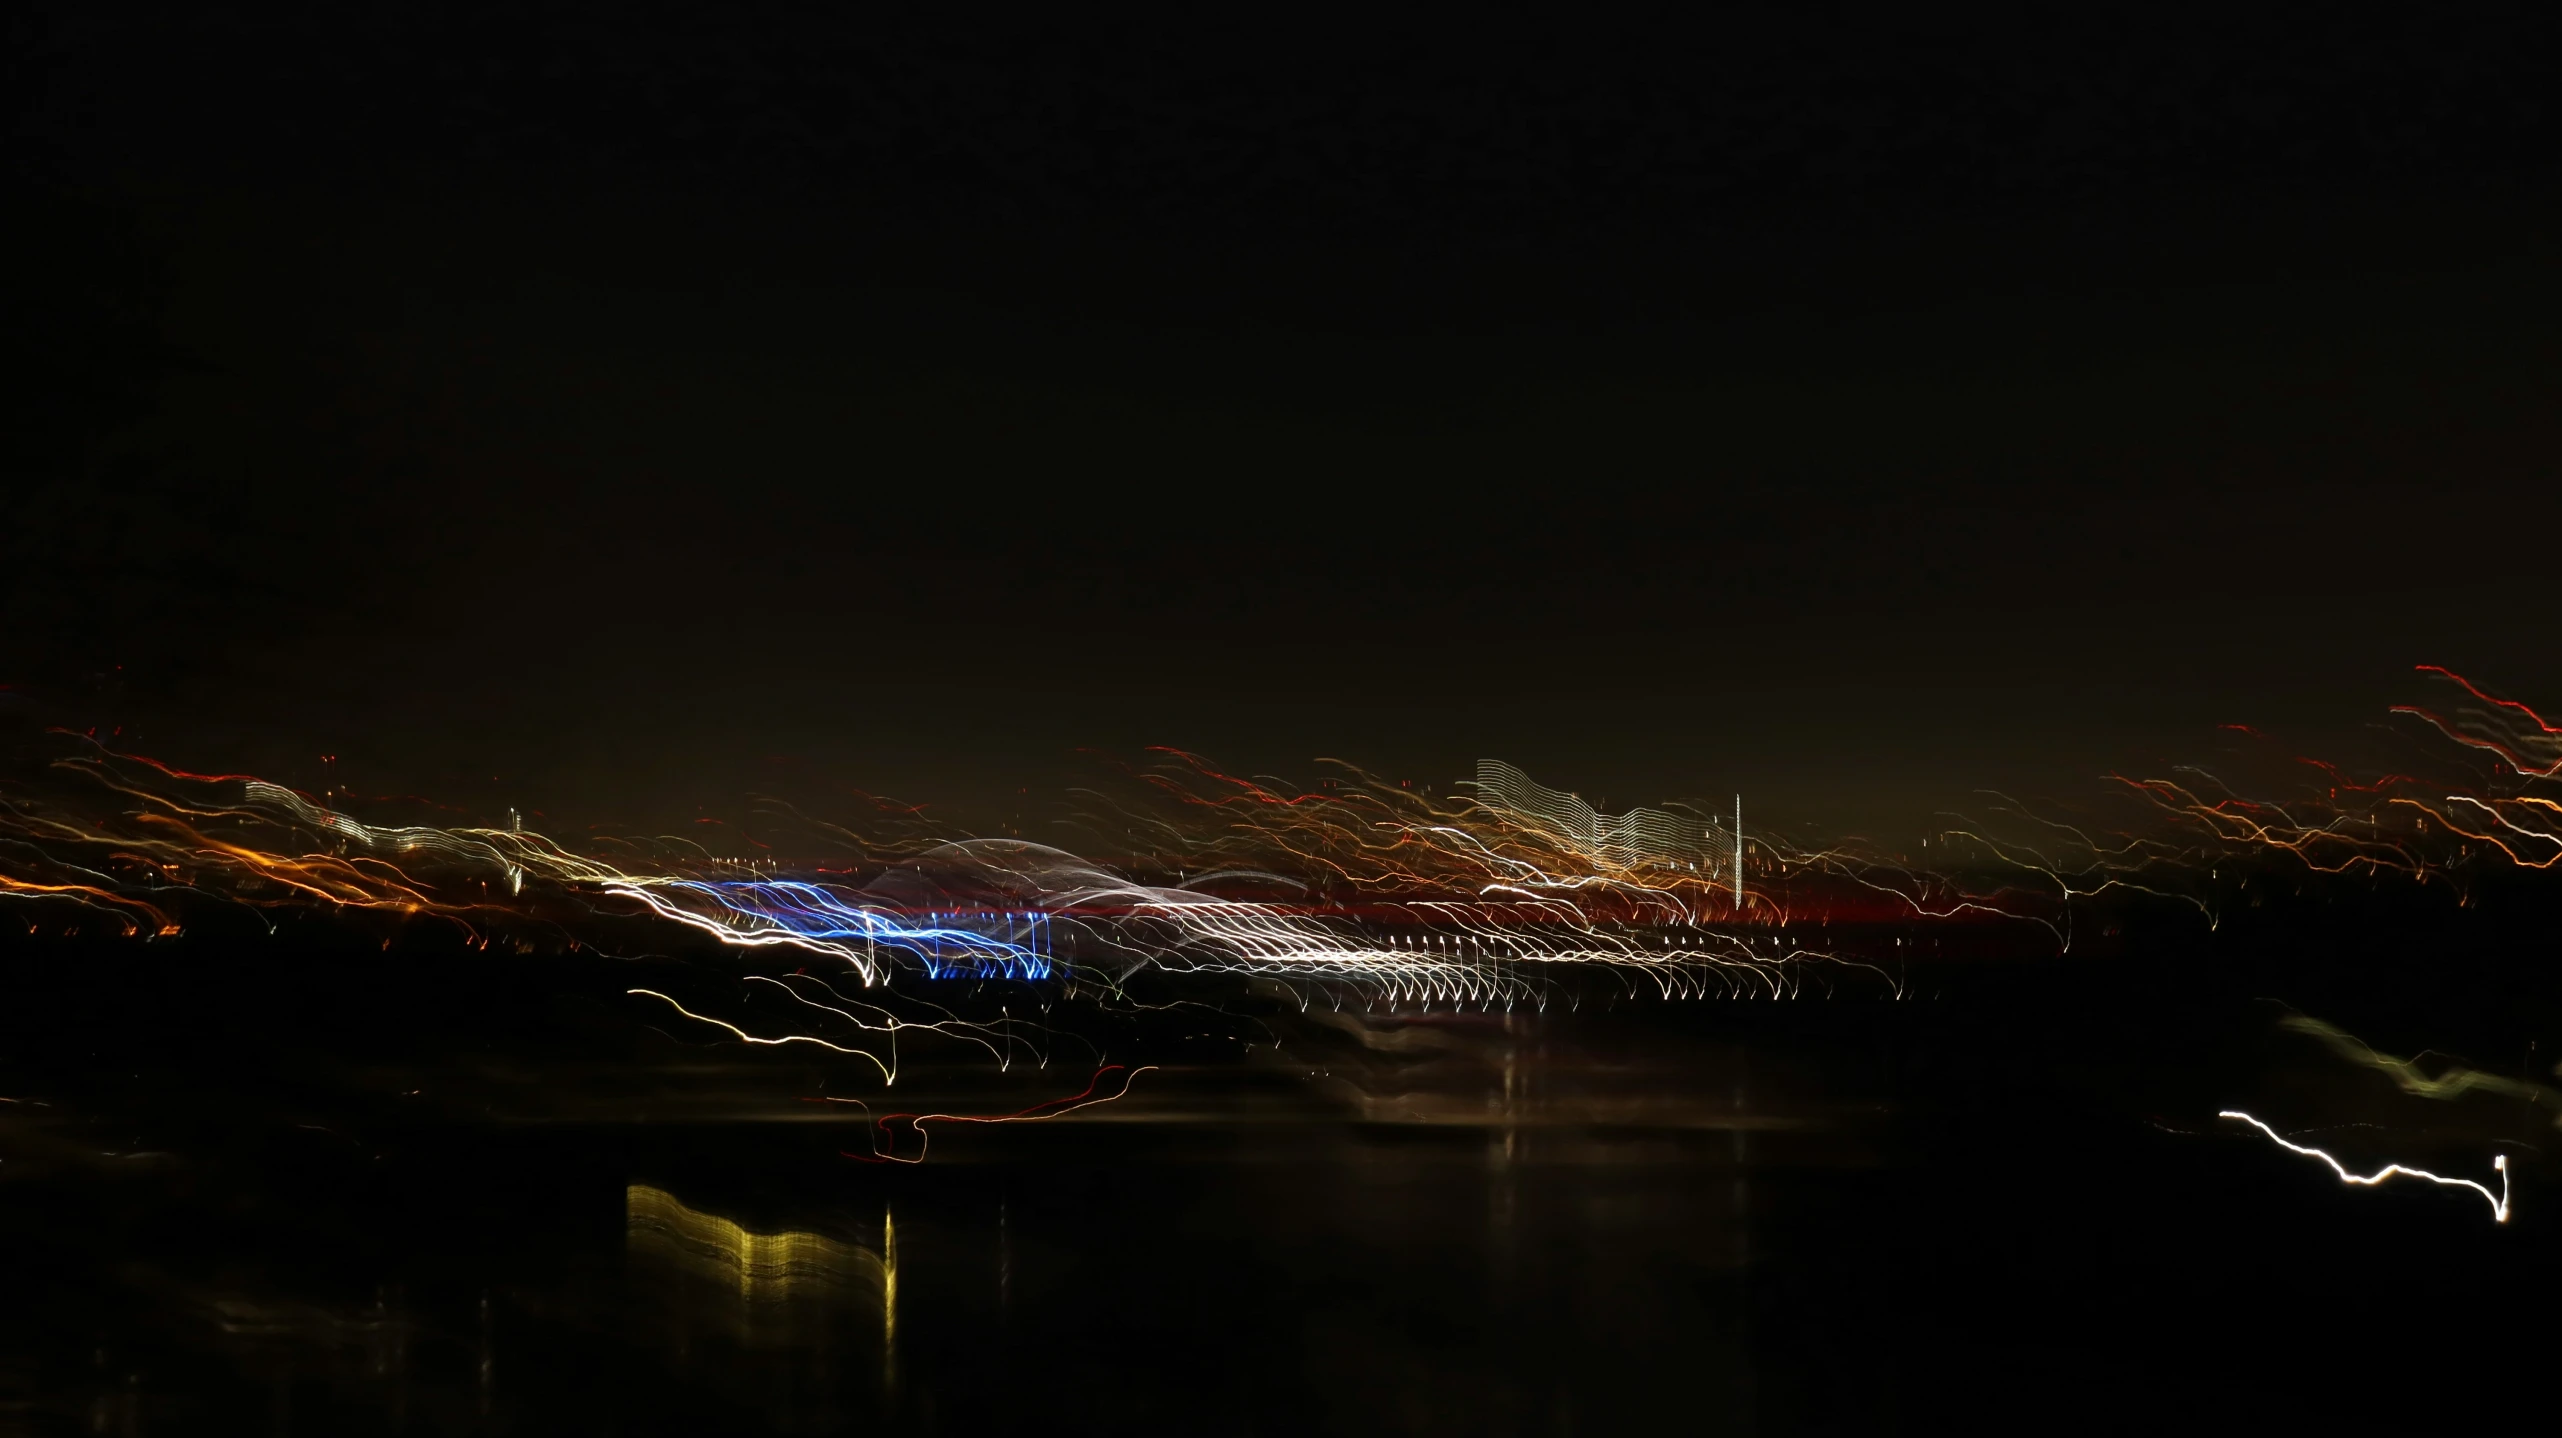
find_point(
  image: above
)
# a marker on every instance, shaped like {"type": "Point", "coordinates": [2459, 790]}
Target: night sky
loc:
{"type": "Point", "coordinates": [615, 413]}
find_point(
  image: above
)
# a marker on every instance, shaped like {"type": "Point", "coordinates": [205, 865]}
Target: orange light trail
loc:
{"type": "Point", "coordinates": [1037, 1113]}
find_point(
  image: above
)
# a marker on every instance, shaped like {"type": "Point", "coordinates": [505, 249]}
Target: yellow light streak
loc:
{"type": "Point", "coordinates": [766, 1266]}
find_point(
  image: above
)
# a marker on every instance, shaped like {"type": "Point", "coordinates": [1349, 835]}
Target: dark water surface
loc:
{"type": "Point", "coordinates": [244, 1193]}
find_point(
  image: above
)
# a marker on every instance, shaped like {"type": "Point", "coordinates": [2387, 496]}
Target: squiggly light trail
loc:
{"type": "Point", "coordinates": [884, 1141]}
{"type": "Point", "coordinates": [757, 912]}
{"type": "Point", "coordinates": [1398, 897]}
{"type": "Point", "coordinates": [2397, 823]}
{"type": "Point", "coordinates": [2499, 1202]}
{"type": "Point", "coordinates": [1394, 895]}
{"type": "Point", "coordinates": [888, 1075]}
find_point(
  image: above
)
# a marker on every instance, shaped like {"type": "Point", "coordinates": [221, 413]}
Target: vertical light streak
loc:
{"type": "Point", "coordinates": [1739, 851]}
{"type": "Point", "coordinates": [2499, 1161]}
{"type": "Point", "coordinates": [889, 1302]}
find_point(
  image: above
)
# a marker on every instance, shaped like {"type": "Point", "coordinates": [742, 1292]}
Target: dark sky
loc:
{"type": "Point", "coordinates": [619, 410]}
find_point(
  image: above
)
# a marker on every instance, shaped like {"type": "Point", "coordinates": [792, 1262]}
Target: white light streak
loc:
{"type": "Point", "coordinates": [2500, 1161]}
{"type": "Point", "coordinates": [886, 1075]}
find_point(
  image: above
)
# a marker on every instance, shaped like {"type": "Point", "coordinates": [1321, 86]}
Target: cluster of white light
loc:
{"type": "Point", "coordinates": [1451, 953]}
{"type": "Point", "coordinates": [1620, 892]}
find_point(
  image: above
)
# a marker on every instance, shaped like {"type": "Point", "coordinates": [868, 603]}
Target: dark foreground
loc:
{"type": "Point", "coordinates": [307, 1188]}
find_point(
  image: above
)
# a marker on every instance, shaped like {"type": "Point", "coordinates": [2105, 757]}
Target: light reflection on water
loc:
{"type": "Point", "coordinates": [782, 1322]}
{"type": "Point", "coordinates": [1419, 1224]}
